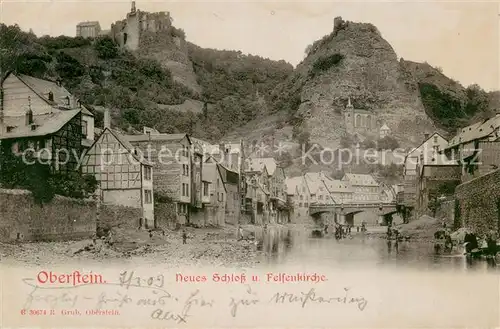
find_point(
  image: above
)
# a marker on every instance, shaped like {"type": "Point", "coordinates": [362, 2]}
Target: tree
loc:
{"type": "Point", "coordinates": [105, 48]}
{"type": "Point", "coordinates": [285, 159]}
{"type": "Point", "coordinates": [436, 195]}
{"type": "Point", "coordinates": [304, 138]}
{"type": "Point", "coordinates": [387, 143]}
{"type": "Point", "coordinates": [346, 141]}
{"type": "Point", "coordinates": [368, 144]}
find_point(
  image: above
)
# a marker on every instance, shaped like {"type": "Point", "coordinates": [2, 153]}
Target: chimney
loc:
{"type": "Point", "coordinates": [107, 118]}
{"type": "Point", "coordinates": [29, 113]}
{"type": "Point", "coordinates": [29, 117]}
{"type": "Point", "coordinates": [1, 105]}
{"type": "Point", "coordinates": [59, 82]}
{"type": "Point", "coordinates": [426, 136]}
{"type": "Point", "coordinates": [132, 10]}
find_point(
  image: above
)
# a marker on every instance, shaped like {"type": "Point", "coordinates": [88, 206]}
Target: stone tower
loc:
{"type": "Point", "coordinates": [349, 117]}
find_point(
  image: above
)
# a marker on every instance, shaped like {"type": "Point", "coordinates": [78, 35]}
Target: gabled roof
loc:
{"type": "Point", "coordinates": [257, 164]}
{"type": "Point", "coordinates": [210, 173]}
{"type": "Point", "coordinates": [361, 179]}
{"type": "Point", "coordinates": [425, 141]}
{"type": "Point", "coordinates": [126, 145]}
{"type": "Point", "coordinates": [43, 87]}
{"type": "Point", "coordinates": [46, 124]}
{"type": "Point", "coordinates": [338, 186]}
{"type": "Point", "coordinates": [314, 182]}
{"type": "Point", "coordinates": [292, 184]}
{"type": "Point", "coordinates": [157, 137]}
{"type": "Point", "coordinates": [384, 127]}
{"type": "Point", "coordinates": [475, 131]}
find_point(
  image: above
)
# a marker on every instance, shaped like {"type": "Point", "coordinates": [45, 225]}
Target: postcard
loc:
{"type": "Point", "coordinates": [249, 164]}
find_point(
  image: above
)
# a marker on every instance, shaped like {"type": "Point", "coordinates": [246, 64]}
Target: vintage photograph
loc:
{"type": "Point", "coordinates": [346, 136]}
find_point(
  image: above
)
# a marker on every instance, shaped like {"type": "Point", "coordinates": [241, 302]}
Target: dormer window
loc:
{"type": "Point", "coordinates": [33, 127]}
{"type": "Point", "coordinates": [10, 128]}
{"type": "Point", "coordinates": [51, 96]}
{"type": "Point", "coordinates": [67, 101]}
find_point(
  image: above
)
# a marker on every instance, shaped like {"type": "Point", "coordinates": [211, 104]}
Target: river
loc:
{"type": "Point", "coordinates": [290, 246]}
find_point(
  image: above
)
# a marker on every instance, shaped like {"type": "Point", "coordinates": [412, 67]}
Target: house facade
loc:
{"type": "Point", "coordinates": [45, 97]}
{"type": "Point", "coordinates": [476, 148]}
{"type": "Point", "coordinates": [125, 177]}
{"type": "Point", "coordinates": [214, 195]}
{"type": "Point", "coordinates": [233, 198]}
{"type": "Point", "coordinates": [318, 190]}
{"type": "Point", "coordinates": [430, 181]}
{"type": "Point", "coordinates": [365, 188]}
{"type": "Point", "coordinates": [41, 117]}
{"type": "Point", "coordinates": [431, 144]}
{"type": "Point", "coordinates": [298, 198]}
{"type": "Point", "coordinates": [258, 195]}
{"type": "Point", "coordinates": [172, 159]}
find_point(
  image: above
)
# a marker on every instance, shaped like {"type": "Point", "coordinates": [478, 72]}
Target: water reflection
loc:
{"type": "Point", "coordinates": [284, 245]}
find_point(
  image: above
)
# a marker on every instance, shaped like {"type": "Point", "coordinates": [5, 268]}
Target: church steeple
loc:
{"type": "Point", "coordinates": [349, 104]}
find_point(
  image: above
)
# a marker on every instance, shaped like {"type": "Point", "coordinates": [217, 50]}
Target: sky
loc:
{"type": "Point", "coordinates": [460, 37]}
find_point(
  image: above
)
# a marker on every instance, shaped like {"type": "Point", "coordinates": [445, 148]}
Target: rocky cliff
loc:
{"type": "Point", "coordinates": [355, 61]}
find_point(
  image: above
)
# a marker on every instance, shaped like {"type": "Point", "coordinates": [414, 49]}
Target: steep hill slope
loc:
{"type": "Point", "coordinates": [355, 61]}
{"type": "Point", "coordinates": [141, 89]}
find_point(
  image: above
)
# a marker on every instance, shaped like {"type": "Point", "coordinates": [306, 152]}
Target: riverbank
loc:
{"type": "Point", "coordinates": [204, 246]}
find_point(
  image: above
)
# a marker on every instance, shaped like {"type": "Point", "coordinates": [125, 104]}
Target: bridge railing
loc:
{"type": "Point", "coordinates": [355, 205]}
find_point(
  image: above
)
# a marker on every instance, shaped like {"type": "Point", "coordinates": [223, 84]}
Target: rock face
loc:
{"type": "Point", "coordinates": [172, 53]}
{"type": "Point", "coordinates": [355, 62]}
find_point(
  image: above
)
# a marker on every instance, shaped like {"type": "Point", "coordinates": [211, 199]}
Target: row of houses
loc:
{"type": "Point", "coordinates": [204, 184]}
{"type": "Point", "coordinates": [320, 189]}
{"type": "Point", "coordinates": [437, 165]}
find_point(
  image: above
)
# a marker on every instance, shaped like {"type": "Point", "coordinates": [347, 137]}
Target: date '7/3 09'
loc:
{"type": "Point", "coordinates": [128, 278]}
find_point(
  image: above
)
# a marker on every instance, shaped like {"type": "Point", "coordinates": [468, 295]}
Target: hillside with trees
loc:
{"type": "Point", "coordinates": [100, 74]}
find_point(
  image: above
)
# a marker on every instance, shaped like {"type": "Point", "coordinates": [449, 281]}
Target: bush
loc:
{"type": "Point", "coordinates": [38, 178]}
{"type": "Point", "coordinates": [441, 106]}
{"type": "Point", "coordinates": [325, 63]}
{"type": "Point", "coordinates": [106, 48]}
{"type": "Point", "coordinates": [387, 143]}
{"type": "Point", "coordinates": [368, 144]}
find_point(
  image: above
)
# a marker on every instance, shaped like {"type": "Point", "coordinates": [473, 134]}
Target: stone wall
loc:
{"type": "Point", "coordinates": [118, 216]}
{"type": "Point", "coordinates": [479, 203]}
{"type": "Point", "coordinates": [61, 219]}
{"type": "Point", "coordinates": [165, 215]}
{"type": "Point", "coordinates": [446, 212]}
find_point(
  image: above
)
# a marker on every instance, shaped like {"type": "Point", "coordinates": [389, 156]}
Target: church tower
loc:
{"type": "Point", "coordinates": [349, 117]}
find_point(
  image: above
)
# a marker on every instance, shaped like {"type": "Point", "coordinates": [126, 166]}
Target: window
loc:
{"type": "Point", "coordinates": [185, 189]}
{"type": "Point", "coordinates": [148, 197]}
{"type": "Point", "coordinates": [435, 139]}
{"type": "Point", "coordinates": [147, 173]}
{"type": "Point", "coordinates": [185, 170]}
{"type": "Point", "coordinates": [182, 208]}
{"type": "Point", "coordinates": [205, 189]}
{"type": "Point", "coordinates": [85, 128]}
{"type": "Point", "coordinates": [221, 197]}
{"type": "Point", "coordinates": [320, 197]}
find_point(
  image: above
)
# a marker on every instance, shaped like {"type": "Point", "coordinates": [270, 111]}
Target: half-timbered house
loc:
{"type": "Point", "coordinates": [125, 177]}
{"type": "Point", "coordinates": [53, 138]}
{"type": "Point", "coordinates": [46, 97]}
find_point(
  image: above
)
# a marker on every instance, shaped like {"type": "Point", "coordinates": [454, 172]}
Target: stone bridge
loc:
{"type": "Point", "coordinates": [344, 213]}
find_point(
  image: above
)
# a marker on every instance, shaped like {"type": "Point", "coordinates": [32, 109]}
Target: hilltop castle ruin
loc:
{"type": "Point", "coordinates": [127, 33]}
